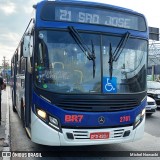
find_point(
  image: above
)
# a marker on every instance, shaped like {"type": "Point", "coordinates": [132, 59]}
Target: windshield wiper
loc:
{"type": "Point", "coordinates": [114, 56]}
{"type": "Point", "coordinates": [89, 54]}
{"type": "Point", "coordinates": [110, 61]}
{"type": "Point", "coordinates": [93, 59]}
{"type": "Point", "coordinates": [120, 46]}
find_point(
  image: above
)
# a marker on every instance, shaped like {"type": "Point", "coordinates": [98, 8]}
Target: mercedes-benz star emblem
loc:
{"type": "Point", "coordinates": [101, 120]}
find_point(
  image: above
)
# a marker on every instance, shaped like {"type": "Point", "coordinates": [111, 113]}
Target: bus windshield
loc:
{"type": "Point", "coordinates": [61, 65]}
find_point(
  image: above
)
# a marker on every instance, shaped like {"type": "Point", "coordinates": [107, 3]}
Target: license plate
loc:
{"type": "Point", "coordinates": [99, 135]}
{"type": "Point", "coordinates": [158, 96]}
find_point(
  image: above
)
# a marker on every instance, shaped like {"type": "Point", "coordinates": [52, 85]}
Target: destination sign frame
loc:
{"type": "Point", "coordinates": [96, 16]}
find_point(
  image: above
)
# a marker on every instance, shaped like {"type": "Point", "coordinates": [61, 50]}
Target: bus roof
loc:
{"type": "Point", "coordinates": [92, 3]}
{"type": "Point", "coordinates": [87, 12]}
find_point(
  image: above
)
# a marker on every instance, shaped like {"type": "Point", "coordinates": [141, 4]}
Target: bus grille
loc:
{"type": "Point", "coordinates": [97, 105]}
{"type": "Point", "coordinates": [83, 134]}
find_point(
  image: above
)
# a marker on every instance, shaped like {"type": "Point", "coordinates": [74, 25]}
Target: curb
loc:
{"type": "Point", "coordinates": [6, 146]}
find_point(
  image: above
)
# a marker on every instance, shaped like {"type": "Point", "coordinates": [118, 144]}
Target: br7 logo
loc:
{"type": "Point", "coordinates": [73, 118]}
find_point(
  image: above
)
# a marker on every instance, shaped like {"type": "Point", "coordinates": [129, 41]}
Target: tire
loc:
{"type": "Point", "coordinates": [22, 114]}
{"type": "Point", "coordinates": [13, 106]}
{"type": "Point", "coordinates": [14, 109]}
{"type": "Point", "coordinates": [149, 114]}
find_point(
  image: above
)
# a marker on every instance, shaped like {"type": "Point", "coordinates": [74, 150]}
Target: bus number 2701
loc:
{"type": "Point", "coordinates": [125, 119]}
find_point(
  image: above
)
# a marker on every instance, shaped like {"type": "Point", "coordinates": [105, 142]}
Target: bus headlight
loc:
{"type": "Point", "coordinates": [42, 114]}
{"type": "Point", "coordinates": [48, 119]}
{"type": "Point", "coordinates": [139, 118]}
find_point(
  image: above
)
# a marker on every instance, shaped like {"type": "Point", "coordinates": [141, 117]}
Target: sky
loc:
{"type": "Point", "coordinates": [15, 16]}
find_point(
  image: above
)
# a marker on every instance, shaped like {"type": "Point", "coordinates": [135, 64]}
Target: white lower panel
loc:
{"type": "Point", "coordinates": [44, 134]}
{"type": "Point", "coordinates": [41, 133]}
{"type": "Point", "coordinates": [139, 131]}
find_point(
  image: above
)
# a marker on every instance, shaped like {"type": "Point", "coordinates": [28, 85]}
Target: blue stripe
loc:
{"type": "Point", "coordinates": [90, 119]}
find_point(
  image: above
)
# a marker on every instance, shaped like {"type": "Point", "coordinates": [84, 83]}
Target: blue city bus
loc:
{"type": "Point", "coordinates": [79, 74]}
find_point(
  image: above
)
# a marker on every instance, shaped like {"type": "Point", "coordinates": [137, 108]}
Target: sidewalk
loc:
{"type": "Point", "coordinates": [5, 127]}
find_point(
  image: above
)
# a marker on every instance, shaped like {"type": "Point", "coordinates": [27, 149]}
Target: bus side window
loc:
{"type": "Point", "coordinates": [18, 59]}
{"type": "Point", "coordinates": [43, 52]}
{"type": "Point", "coordinates": [23, 65]}
{"type": "Point", "coordinates": [40, 54]}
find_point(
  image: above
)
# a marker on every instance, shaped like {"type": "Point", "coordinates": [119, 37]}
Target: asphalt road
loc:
{"type": "Point", "coordinates": [150, 142]}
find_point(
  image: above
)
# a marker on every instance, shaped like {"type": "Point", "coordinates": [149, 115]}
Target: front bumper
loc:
{"type": "Point", "coordinates": [150, 110]}
{"type": "Point", "coordinates": [41, 133]}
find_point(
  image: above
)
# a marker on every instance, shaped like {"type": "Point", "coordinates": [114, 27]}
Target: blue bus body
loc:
{"type": "Point", "coordinates": [78, 79]}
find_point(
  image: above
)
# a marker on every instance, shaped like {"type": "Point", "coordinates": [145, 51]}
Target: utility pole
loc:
{"type": "Point", "coordinates": [4, 67]}
{"type": "Point", "coordinates": [5, 63]}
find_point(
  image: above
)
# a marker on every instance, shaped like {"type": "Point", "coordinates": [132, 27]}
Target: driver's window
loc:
{"type": "Point", "coordinates": [43, 59]}
{"type": "Point", "coordinates": [40, 54]}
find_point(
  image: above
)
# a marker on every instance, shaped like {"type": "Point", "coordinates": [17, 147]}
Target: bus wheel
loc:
{"type": "Point", "coordinates": [13, 108]}
{"type": "Point", "coordinates": [22, 114]}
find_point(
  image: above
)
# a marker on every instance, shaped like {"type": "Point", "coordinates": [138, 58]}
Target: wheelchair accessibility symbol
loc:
{"type": "Point", "coordinates": [109, 85]}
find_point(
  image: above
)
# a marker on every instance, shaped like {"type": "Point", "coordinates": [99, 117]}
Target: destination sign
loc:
{"type": "Point", "coordinates": [99, 17]}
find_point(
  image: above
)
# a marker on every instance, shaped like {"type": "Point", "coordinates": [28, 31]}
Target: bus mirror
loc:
{"type": "Point", "coordinates": [27, 46]}
{"type": "Point", "coordinates": [27, 50]}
